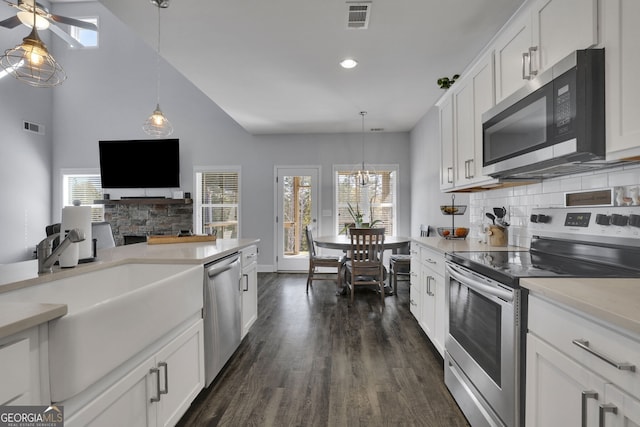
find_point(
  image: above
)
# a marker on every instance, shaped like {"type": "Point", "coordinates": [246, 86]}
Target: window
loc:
{"type": "Point", "coordinates": [218, 203]}
{"type": "Point", "coordinates": [88, 38]}
{"type": "Point", "coordinates": [86, 188]}
{"type": "Point", "coordinates": [377, 199]}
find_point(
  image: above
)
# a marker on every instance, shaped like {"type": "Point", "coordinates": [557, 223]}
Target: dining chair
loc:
{"type": "Point", "coordinates": [366, 265]}
{"type": "Point", "coordinates": [101, 231]}
{"type": "Point", "coordinates": [315, 261]}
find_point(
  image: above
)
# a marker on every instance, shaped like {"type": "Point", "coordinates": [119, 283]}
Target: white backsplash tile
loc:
{"type": "Point", "coordinates": [519, 201]}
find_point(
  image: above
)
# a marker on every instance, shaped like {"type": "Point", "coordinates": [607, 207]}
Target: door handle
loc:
{"type": "Point", "coordinates": [246, 277]}
{"type": "Point", "coordinates": [604, 408]}
{"type": "Point", "coordinates": [525, 59]}
{"type": "Point", "coordinates": [166, 378]}
{"type": "Point", "coordinates": [589, 394]}
{"type": "Point", "coordinates": [532, 72]}
{"type": "Point", "coordinates": [450, 175]}
{"type": "Point", "coordinates": [157, 372]}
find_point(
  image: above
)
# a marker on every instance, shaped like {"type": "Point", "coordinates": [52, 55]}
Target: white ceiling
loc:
{"type": "Point", "coordinates": [272, 65]}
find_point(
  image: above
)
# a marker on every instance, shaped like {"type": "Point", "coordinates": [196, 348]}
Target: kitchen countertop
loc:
{"type": "Point", "coordinates": [467, 245]}
{"type": "Point", "coordinates": [616, 302]}
{"type": "Point", "coordinates": [15, 317]}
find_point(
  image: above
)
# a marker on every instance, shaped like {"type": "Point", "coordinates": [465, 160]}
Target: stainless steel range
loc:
{"type": "Point", "coordinates": [487, 309]}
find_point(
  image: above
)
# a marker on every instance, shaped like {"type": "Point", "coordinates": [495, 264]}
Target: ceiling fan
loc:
{"type": "Point", "coordinates": [44, 20]}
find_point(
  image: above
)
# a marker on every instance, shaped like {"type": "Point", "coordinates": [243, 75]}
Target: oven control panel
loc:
{"type": "Point", "coordinates": [612, 223]}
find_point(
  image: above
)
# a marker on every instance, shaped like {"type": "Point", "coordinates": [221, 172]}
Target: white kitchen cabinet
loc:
{"type": "Point", "coordinates": [249, 287]}
{"type": "Point", "coordinates": [473, 96]}
{"type": "Point", "coordinates": [446, 142]}
{"type": "Point", "coordinates": [23, 368]}
{"type": "Point", "coordinates": [156, 392]}
{"type": "Point", "coordinates": [540, 35]}
{"type": "Point", "coordinates": [567, 383]}
{"type": "Point", "coordinates": [621, 33]}
{"type": "Point", "coordinates": [427, 297]}
{"type": "Point", "coordinates": [415, 289]}
{"type": "Point", "coordinates": [558, 387]}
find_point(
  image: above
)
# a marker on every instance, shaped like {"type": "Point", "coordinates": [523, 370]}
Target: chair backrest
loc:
{"type": "Point", "coordinates": [367, 245]}
{"type": "Point", "coordinates": [424, 230]}
{"type": "Point", "coordinates": [101, 231]}
{"type": "Point", "coordinates": [309, 233]}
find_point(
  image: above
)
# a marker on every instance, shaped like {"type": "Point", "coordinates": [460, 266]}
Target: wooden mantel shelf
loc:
{"type": "Point", "coordinates": [144, 201]}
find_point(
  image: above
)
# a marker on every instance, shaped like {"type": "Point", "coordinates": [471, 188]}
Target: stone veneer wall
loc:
{"type": "Point", "coordinates": [147, 219]}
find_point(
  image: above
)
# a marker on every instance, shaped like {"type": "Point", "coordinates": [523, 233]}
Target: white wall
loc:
{"type": "Point", "coordinates": [426, 196]}
{"type": "Point", "coordinates": [25, 158]}
{"type": "Point", "coordinates": [111, 91]}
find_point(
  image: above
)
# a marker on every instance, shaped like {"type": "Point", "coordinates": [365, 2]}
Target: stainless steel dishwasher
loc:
{"type": "Point", "coordinates": [222, 315]}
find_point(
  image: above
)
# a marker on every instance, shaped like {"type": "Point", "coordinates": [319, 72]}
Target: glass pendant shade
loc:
{"type": "Point", "coordinates": [157, 125]}
{"type": "Point", "coordinates": [31, 63]}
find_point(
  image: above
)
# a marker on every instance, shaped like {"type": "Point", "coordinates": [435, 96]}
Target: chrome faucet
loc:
{"type": "Point", "coordinates": [48, 256]}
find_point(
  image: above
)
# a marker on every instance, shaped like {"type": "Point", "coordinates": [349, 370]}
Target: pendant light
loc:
{"type": "Point", "coordinates": [362, 175]}
{"type": "Point", "coordinates": [30, 62]}
{"type": "Point", "coordinates": [157, 124]}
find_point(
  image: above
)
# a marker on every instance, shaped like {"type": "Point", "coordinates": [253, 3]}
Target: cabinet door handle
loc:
{"type": "Point", "coordinates": [604, 408]}
{"type": "Point", "coordinates": [525, 59]}
{"type": "Point", "coordinates": [166, 378]}
{"type": "Point", "coordinates": [157, 372]}
{"type": "Point", "coordinates": [430, 261]}
{"type": "Point", "coordinates": [450, 175]}
{"type": "Point", "coordinates": [589, 394]}
{"type": "Point", "coordinates": [469, 169]}
{"type": "Point", "coordinates": [622, 366]}
{"type": "Point", "coordinates": [246, 281]}
{"type": "Point", "coordinates": [532, 72]}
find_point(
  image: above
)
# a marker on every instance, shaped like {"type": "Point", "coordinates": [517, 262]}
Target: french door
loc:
{"type": "Point", "coordinates": [297, 202]}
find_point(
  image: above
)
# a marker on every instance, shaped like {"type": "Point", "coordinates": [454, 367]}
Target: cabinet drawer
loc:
{"type": "Point", "coordinates": [432, 260]}
{"type": "Point", "coordinates": [14, 370]}
{"type": "Point", "coordinates": [613, 345]}
{"type": "Point", "coordinates": [249, 255]}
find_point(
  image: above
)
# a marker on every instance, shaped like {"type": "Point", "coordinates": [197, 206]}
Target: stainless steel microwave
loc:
{"type": "Point", "coordinates": [553, 126]}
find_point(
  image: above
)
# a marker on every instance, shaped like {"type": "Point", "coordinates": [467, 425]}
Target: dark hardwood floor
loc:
{"type": "Point", "coordinates": [311, 360]}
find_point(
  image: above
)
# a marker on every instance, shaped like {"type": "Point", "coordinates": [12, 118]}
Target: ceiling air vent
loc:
{"type": "Point", "coordinates": [33, 127]}
{"type": "Point", "coordinates": [359, 13]}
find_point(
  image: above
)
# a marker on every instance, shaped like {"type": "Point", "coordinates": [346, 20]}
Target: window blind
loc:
{"type": "Point", "coordinates": [218, 203]}
{"type": "Point", "coordinates": [87, 189]}
{"type": "Point", "coordinates": [375, 200]}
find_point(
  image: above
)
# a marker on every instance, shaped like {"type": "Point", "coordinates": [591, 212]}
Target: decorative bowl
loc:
{"type": "Point", "coordinates": [453, 209]}
{"type": "Point", "coordinates": [453, 233]}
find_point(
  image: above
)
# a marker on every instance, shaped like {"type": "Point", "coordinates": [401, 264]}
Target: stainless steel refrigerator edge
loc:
{"type": "Point", "coordinates": [222, 315]}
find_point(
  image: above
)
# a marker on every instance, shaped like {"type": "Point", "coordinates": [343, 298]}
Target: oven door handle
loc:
{"type": "Point", "coordinates": [478, 286]}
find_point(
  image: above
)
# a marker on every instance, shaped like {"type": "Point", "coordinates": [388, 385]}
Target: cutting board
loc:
{"type": "Point", "coordinates": [159, 240]}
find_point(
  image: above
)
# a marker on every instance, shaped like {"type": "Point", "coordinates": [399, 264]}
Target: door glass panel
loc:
{"type": "Point", "coordinates": [296, 214]}
{"type": "Point", "coordinates": [476, 323]}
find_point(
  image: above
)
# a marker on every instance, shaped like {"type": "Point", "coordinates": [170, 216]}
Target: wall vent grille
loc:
{"type": "Point", "coordinates": [33, 127]}
{"type": "Point", "coordinates": [358, 15]}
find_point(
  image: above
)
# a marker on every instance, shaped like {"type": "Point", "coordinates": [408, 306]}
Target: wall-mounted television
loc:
{"type": "Point", "coordinates": [140, 163]}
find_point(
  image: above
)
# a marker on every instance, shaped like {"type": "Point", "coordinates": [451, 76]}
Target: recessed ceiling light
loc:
{"type": "Point", "coordinates": [348, 63]}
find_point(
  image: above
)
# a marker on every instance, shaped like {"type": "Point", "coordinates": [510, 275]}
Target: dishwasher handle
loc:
{"type": "Point", "coordinates": [212, 272]}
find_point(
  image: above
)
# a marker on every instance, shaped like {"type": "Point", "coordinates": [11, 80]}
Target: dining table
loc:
{"type": "Point", "coordinates": [343, 242]}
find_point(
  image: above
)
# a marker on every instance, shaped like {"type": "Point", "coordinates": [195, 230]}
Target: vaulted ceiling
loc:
{"type": "Point", "coordinates": [272, 65]}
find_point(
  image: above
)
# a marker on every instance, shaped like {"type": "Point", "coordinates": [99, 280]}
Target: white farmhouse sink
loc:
{"type": "Point", "coordinates": [112, 315]}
